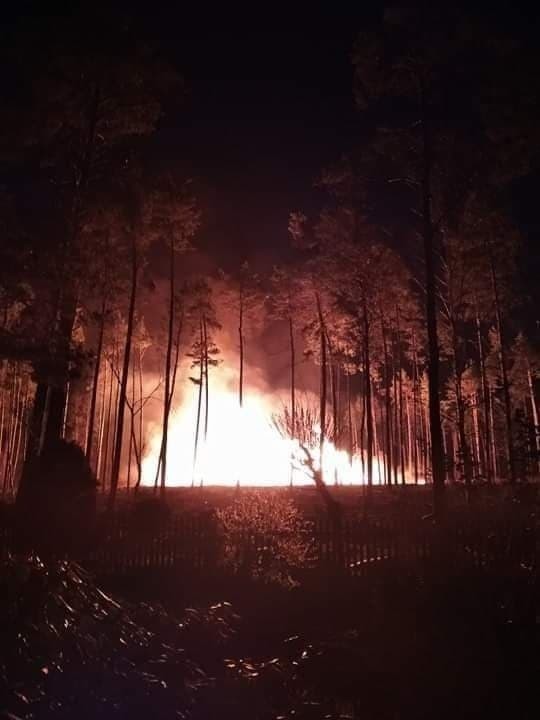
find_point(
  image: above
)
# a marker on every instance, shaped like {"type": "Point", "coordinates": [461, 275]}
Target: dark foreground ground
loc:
{"type": "Point", "coordinates": [465, 646]}
{"type": "Point", "coordinates": [442, 641]}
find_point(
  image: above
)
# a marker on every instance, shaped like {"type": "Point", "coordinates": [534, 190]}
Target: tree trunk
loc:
{"type": "Point", "coordinates": [168, 358]}
{"type": "Point", "coordinates": [437, 453]}
{"type": "Point", "coordinates": [125, 370]}
{"type": "Point", "coordinates": [415, 410]}
{"type": "Point", "coordinates": [206, 384]}
{"type": "Point", "coordinates": [107, 431]}
{"type": "Point", "coordinates": [504, 368]}
{"type": "Point", "coordinates": [293, 392]}
{"type": "Point", "coordinates": [241, 347]}
{"type": "Point", "coordinates": [323, 387]}
{"type": "Point", "coordinates": [534, 409]}
{"type": "Point", "coordinates": [486, 397]}
{"type": "Point", "coordinates": [464, 450]}
{"type": "Point", "coordinates": [369, 411]}
{"type": "Point", "coordinates": [199, 402]}
{"type": "Point", "coordinates": [93, 399]}
{"type": "Point", "coordinates": [350, 419]}
{"type": "Point", "coordinates": [387, 409]}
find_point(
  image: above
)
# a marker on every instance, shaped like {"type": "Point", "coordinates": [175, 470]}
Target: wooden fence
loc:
{"type": "Point", "coordinates": [354, 546]}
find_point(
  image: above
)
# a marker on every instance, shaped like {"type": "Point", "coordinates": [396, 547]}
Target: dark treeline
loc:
{"type": "Point", "coordinates": [404, 290]}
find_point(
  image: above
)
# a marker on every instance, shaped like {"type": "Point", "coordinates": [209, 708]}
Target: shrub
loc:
{"type": "Point", "coordinates": [56, 502]}
{"type": "Point", "coordinates": [266, 537]}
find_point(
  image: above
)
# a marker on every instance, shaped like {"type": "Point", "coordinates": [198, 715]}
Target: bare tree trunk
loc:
{"type": "Point", "coordinates": [241, 345]}
{"type": "Point", "coordinates": [428, 443]}
{"type": "Point", "coordinates": [93, 399]}
{"type": "Point", "coordinates": [168, 358]}
{"type": "Point", "coordinates": [101, 429]}
{"type": "Point", "coordinates": [476, 427]}
{"type": "Point", "coordinates": [334, 396]}
{"type": "Point", "coordinates": [141, 420]}
{"type": "Point", "coordinates": [115, 402]}
{"type": "Point", "coordinates": [415, 410]}
{"type": "Point", "coordinates": [437, 453]}
{"type": "Point", "coordinates": [464, 450]}
{"type": "Point", "coordinates": [361, 443]}
{"type": "Point", "coordinates": [107, 432]}
{"type": "Point", "coordinates": [369, 411]}
{"type": "Point", "coordinates": [382, 444]}
{"type": "Point", "coordinates": [534, 409]}
{"type": "Point", "coordinates": [117, 457]}
{"type": "Point", "coordinates": [387, 409]}
{"type": "Point", "coordinates": [493, 439]}
{"type": "Point", "coordinates": [199, 402]}
{"type": "Point", "coordinates": [206, 388]}
{"type": "Point", "coordinates": [504, 368]}
{"type": "Point", "coordinates": [2, 427]}
{"type": "Point", "coordinates": [409, 434]}
{"type": "Point", "coordinates": [131, 426]}
{"type": "Point", "coordinates": [323, 390]}
{"type": "Point", "coordinates": [350, 419]}
{"type": "Point", "coordinates": [293, 392]}
{"type": "Point", "coordinates": [486, 397]}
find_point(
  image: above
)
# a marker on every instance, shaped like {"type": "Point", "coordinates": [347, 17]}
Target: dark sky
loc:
{"type": "Point", "coordinates": [268, 108]}
{"type": "Point", "coordinates": [269, 104]}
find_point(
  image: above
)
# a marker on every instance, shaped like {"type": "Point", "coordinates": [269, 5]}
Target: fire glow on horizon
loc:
{"type": "Point", "coordinates": [242, 445]}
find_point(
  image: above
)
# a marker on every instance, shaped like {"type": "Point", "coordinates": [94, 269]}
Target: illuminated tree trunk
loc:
{"type": "Point", "coordinates": [104, 473]}
{"type": "Point", "coordinates": [409, 435]}
{"type": "Point", "coordinates": [415, 410]}
{"type": "Point", "coordinates": [401, 428]}
{"type": "Point", "coordinates": [486, 398]}
{"type": "Point", "coordinates": [293, 392]}
{"type": "Point", "coordinates": [101, 424]}
{"type": "Point", "coordinates": [361, 436]}
{"type": "Point", "coordinates": [206, 388]}
{"type": "Point", "coordinates": [476, 428]}
{"type": "Point", "coordinates": [387, 409]}
{"type": "Point", "coordinates": [199, 402]}
{"type": "Point", "coordinates": [368, 396]}
{"type": "Point", "coordinates": [334, 396]}
{"type": "Point", "coordinates": [138, 455]}
{"type": "Point", "coordinates": [3, 427]}
{"type": "Point", "coordinates": [394, 425]}
{"type": "Point", "coordinates": [382, 447]}
{"type": "Point", "coordinates": [93, 399]}
{"type": "Point", "coordinates": [131, 426]}
{"type": "Point", "coordinates": [162, 460]}
{"type": "Point", "coordinates": [493, 442]}
{"type": "Point", "coordinates": [464, 451]}
{"type": "Point", "coordinates": [350, 419]}
{"type": "Point", "coordinates": [503, 363]}
{"type": "Point", "coordinates": [241, 344]}
{"type": "Point", "coordinates": [125, 370]}
{"type": "Point", "coordinates": [427, 452]}
{"type": "Point", "coordinates": [437, 453]}
{"type": "Point", "coordinates": [534, 409]}
{"type": "Point", "coordinates": [323, 386]}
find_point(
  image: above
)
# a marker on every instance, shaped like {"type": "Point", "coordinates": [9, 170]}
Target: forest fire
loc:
{"type": "Point", "coordinates": [242, 446]}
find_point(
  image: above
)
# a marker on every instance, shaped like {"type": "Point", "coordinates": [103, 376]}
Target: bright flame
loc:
{"type": "Point", "coordinates": [242, 447]}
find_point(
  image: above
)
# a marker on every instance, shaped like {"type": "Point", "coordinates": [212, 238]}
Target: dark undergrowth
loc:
{"type": "Point", "coordinates": [390, 646]}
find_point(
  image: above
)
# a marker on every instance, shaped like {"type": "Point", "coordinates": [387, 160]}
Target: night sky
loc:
{"type": "Point", "coordinates": [268, 105]}
{"type": "Point", "coordinates": [267, 108]}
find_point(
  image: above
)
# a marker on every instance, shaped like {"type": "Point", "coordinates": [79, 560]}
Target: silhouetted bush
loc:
{"type": "Point", "coordinates": [56, 502]}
